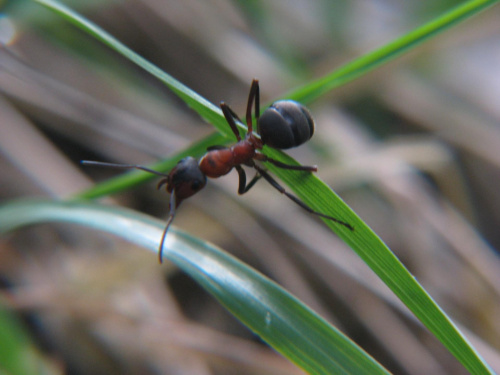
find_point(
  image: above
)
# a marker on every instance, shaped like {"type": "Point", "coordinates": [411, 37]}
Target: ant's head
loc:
{"type": "Point", "coordinates": [185, 179]}
{"type": "Point", "coordinates": [285, 124]}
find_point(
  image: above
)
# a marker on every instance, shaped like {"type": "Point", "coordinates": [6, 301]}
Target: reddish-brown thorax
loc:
{"type": "Point", "coordinates": [217, 163]}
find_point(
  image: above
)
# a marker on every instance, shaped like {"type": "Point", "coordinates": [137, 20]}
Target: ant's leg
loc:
{"type": "Point", "coordinates": [242, 179]}
{"type": "Point", "coordinates": [243, 187]}
{"type": "Point", "coordinates": [257, 102]}
{"type": "Point", "coordinates": [282, 190]}
{"type": "Point", "coordinates": [255, 87]}
{"type": "Point", "coordinates": [230, 116]}
{"type": "Point", "coordinates": [253, 94]}
{"type": "Point", "coordinates": [122, 166]}
{"type": "Point", "coordinates": [233, 113]}
{"type": "Point", "coordinates": [254, 180]}
{"type": "Point", "coordinates": [171, 215]}
{"type": "Point", "coordinates": [163, 181]}
{"type": "Point", "coordinates": [262, 157]}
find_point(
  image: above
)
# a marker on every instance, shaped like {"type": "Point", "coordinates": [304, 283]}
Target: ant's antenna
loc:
{"type": "Point", "coordinates": [173, 202]}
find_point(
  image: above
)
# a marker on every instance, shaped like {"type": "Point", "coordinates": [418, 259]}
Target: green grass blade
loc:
{"type": "Point", "coordinates": [319, 196]}
{"type": "Point", "coordinates": [203, 107]}
{"type": "Point", "coordinates": [268, 310]}
{"type": "Point", "coordinates": [390, 51]}
{"type": "Point", "coordinates": [389, 268]}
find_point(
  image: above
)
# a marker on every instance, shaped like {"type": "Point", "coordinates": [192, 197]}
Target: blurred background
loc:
{"type": "Point", "coordinates": [412, 147]}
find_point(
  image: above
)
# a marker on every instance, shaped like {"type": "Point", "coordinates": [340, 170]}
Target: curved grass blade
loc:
{"type": "Point", "coordinates": [389, 268]}
{"type": "Point", "coordinates": [319, 196]}
{"type": "Point", "coordinates": [203, 107]}
{"type": "Point", "coordinates": [268, 310]}
{"type": "Point", "coordinates": [388, 52]}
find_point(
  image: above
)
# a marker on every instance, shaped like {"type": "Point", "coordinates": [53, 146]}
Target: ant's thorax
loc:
{"type": "Point", "coordinates": [219, 162]}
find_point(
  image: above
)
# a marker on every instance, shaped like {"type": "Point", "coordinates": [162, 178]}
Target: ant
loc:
{"type": "Point", "coordinates": [284, 125]}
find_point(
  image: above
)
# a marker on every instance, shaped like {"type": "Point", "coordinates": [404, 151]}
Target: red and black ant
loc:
{"type": "Point", "coordinates": [285, 124]}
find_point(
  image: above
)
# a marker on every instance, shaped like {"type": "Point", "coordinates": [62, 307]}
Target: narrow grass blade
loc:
{"type": "Point", "coordinates": [390, 51]}
{"type": "Point", "coordinates": [203, 107]}
{"type": "Point", "coordinates": [268, 310]}
{"type": "Point", "coordinates": [389, 268]}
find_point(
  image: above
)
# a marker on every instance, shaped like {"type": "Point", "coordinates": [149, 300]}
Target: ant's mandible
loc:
{"type": "Point", "coordinates": [284, 125]}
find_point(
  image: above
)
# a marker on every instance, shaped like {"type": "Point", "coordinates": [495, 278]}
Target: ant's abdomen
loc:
{"type": "Point", "coordinates": [285, 124]}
